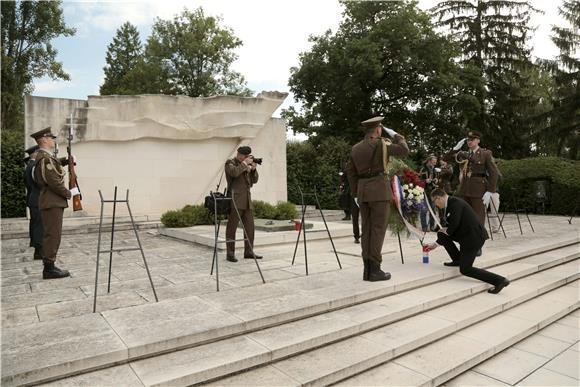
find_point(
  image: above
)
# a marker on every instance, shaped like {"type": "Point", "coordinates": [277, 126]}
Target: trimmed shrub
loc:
{"type": "Point", "coordinates": [263, 210]}
{"type": "Point", "coordinates": [520, 177]}
{"type": "Point", "coordinates": [13, 188]}
{"type": "Point", "coordinates": [193, 215]}
{"type": "Point", "coordinates": [286, 211]}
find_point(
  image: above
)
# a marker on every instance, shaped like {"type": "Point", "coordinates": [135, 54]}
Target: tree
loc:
{"type": "Point", "coordinates": [384, 59]}
{"type": "Point", "coordinates": [562, 129]}
{"type": "Point", "coordinates": [27, 30]}
{"type": "Point", "coordinates": [124, 55]}
{"type": "Point", "coordinates": [492, 35]}
{"type": "Point", "coordinates": [192, 55]}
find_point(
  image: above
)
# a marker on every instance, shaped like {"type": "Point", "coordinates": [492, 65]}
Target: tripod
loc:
{"type": "Point", "coordinates": [218, 198]}
{"type": "Point", "coordinates": [303, 228]}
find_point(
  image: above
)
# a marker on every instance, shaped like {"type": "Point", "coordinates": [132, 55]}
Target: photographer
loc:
{"type": "Point", "coordinates": [241, 174]}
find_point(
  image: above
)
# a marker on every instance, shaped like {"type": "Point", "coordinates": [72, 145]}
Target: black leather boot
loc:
{"type": "Point", "coordinates": [376, 274]}
{"type": "Point", "coordinates": [51, 271]}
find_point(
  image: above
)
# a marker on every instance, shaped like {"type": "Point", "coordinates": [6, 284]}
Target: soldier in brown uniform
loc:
{"type": "Point", "coordinates": [370, 186]}
{"type": "Point", "coordinates": [241, 174]}
{"type": "Point", "coordinates": [477, 173]}
{"type": "Point", "coordinates": [49, 175]}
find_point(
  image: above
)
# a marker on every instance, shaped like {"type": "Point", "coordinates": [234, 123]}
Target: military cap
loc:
{"type": "Point", "coordinates": [474, 134]}
{"type": "Point", "coordinates": [32, 149]}
{"type": "Point", "coordinates": [372, 122]}
{"type": "Point", "coordinates": [46, 132]}
{"type": "Point", "coordinates": [245, 150]}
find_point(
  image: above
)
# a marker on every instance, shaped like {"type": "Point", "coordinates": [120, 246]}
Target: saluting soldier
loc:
{"type": "Point", "coordinates": [241, 174]}
{"type": "Point", "coordinates": [32, 193]}
{"type": "Point", "coordinates": [49, 175]}
{"type": "Point", "coordinates": [371, 189]}
{"type": "Point", "coordinates": [477, 173]}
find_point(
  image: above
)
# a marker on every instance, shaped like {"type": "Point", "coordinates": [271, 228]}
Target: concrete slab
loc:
{"type": "Point", "coordinates": [17, 301]}
{"type": "Point", "coordinates": [172, 324]}
{"type": "Point", "coordinates": [545, 377]}
{"type": "Point", "coordinates": [30, 355]}
{"type": "Point", "coordinates": [122, 375]}
{"type": "Point", "coordinates": [260, 377]}
{"type": "Point", "coordinates": [447, 358]}
{"type": "Point", "coordinates": [194, 365]}
{"type": "Point", "coordinates": [511, 365]}
{"type": "Point", "coordinates": [567, 363]}
{"type": "Point", "coordinates": [20, 316]}
{"type": "Point", "coordinates": [542, 345]}
{"type": "Point", "coordinates": [471, 378]}
{"type": "Point", "coordinates": [334, 362]}
{"type": "Point", "coordinates": [389, 374]}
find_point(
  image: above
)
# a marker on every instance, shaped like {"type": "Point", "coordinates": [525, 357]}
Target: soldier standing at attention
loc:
{"type": "Point", "coordinates": [241, 174]}
{"type": "Point", "coordinates": [49, 175]}
{"type": "Point", "coordinates": [370, 186]}
{"type": "Point", "coordinates": [32, 193]}
{"type": "Point", "coordinates": [477, 173]}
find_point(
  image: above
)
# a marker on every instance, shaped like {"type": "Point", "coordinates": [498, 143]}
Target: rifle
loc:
{"type": "Point", "coordinates": [72, 177]}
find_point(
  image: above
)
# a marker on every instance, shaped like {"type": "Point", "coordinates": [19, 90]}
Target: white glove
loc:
{"type": "Point", "coordinates": [74, 192]}
{"type": "Point", "coordinates": [389, 131]}
{"type": "Point", "coordinates": [459, 144]}
{"type": "Point", "coordinates": [356, 201]}
{"type": "Point", "coordinates": [486, 198]}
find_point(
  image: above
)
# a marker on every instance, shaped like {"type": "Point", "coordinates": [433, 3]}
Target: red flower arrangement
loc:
{"type": "Point", "coordinates": [411, 177]}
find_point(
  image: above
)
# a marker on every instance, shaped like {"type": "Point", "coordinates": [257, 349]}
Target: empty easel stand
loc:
{"type": "Point", "coordinates": [112, 249]}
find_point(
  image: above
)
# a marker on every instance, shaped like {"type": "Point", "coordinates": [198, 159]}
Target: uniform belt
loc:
{"type": "Point", "coordinates": [369, 175]}
{"type": "Point", "coordinates": [478, 175]}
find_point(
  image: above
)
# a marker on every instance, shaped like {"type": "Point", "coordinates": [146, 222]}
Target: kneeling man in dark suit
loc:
{"type": "Point", "coordinates": [463, 227]}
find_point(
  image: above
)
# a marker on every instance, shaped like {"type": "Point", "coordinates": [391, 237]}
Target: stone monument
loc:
{"type": "Point", "coordinates": [168, 151]}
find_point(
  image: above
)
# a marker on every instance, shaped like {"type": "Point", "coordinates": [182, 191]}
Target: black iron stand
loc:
{"type": "Point", "coordinates": [303, 228]}
{"type": "Point", "coordinates": [498, 218]}
{"type": "Point", "coordinates": [217, 223]}
{"type": "Point", "coordinates": [517, 211]}
{"type": "Point", "coordinates": [111, 250]}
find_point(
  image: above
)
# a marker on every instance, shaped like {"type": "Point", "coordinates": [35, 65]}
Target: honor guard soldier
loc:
{"type": "Point", "coordinates": [371, 189]}
{"type": "Point", "coordinates": [32, 193]}
{"type": "Point", "coordinates": [49, 176]}
{"type": "Point", "coordinates": [241, 174]}
{"type": "Point", "coordinates": [477, 173]}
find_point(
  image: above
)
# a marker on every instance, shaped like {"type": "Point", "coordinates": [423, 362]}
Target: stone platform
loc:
{"type": "Point", "coordinates": [425, 326]}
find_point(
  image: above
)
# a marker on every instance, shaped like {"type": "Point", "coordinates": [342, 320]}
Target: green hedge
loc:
{"type": "Point", "coordinates": [310, 166]}
{"type": "Point", "coordinates": [13, 188]}
{"type": "Point", "coordinates": [519, 181]}
{"type": "Point", "coordinates": [193, 215]}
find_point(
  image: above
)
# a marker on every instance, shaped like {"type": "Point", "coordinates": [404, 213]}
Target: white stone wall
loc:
{"type": "Point", "coordinates": [165, 173]}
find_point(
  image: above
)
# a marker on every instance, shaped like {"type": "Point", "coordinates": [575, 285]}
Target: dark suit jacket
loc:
{"type": "Point", "coordinates": [366, 157]}
{"type": "Point", "coordinates": [463, 224]}
{"type": "Point", "coordinates": [240, 181]}
{"type": "Point", "coordinates": [32, 190]}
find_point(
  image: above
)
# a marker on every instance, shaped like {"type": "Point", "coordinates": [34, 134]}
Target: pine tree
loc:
{"type": "Point", "coordinates": [124, 55]}
{"type": "Point", "coordinates": [493, 36]}
{"type": "Point", "coordinates": [564, 128]}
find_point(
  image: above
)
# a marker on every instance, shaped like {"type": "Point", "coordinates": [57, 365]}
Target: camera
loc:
{"type": "Point", "coordinates": [257, 160]}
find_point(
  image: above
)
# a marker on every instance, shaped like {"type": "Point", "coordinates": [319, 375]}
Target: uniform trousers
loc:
{"type": "Point", "coordinates": [374, 216]}
{"type": "Point", "coordinates": [35, 228]}
{"type": "Point", "coordinates": [52, 225]}
{"type": "Point", "coordinates": [466, 256]}
{"type": "Point", "coordinates": [476, 203]}
{"type": "Point", "coordinates": [247, 218]}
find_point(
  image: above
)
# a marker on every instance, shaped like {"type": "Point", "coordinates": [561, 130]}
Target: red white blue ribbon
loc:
{"type": "Point", "coordinates": [399, 197]}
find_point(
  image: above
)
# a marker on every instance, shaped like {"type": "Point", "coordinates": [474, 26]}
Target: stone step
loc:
{"type": "Point", "coordinates": [148, 330]}
{"type": "Point", "coordinates": [18, 227]}
{"type": "Point", "coordinates": [444, 359]}
{"type": "Point", "coordinates": [334, 359]}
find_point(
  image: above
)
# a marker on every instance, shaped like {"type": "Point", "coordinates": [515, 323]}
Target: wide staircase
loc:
{"type": "Point", "coordinates": [424, 327]}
